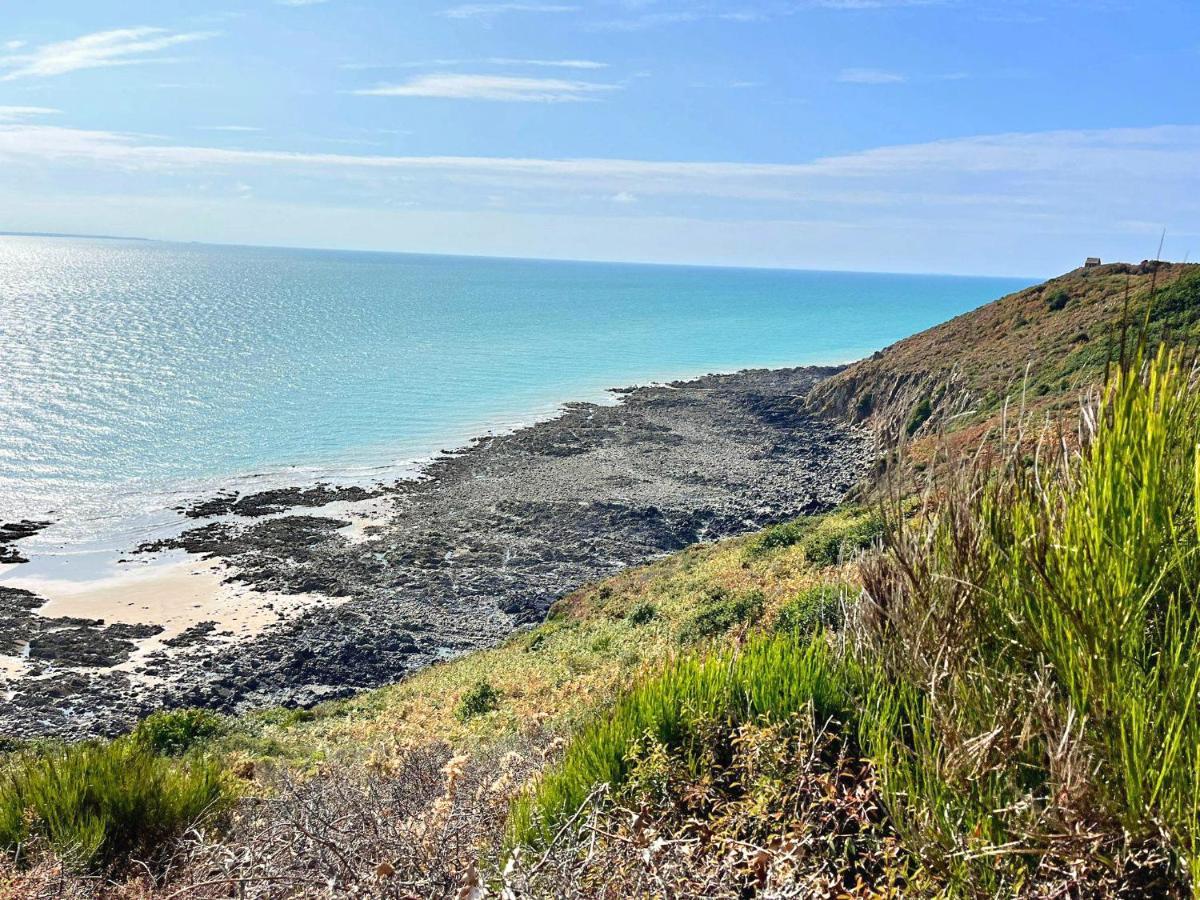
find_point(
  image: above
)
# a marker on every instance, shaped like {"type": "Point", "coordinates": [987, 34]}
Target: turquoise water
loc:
{"type": "Point", "coordinates": [136, 373]}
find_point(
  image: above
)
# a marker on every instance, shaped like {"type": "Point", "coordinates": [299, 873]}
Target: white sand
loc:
{"type": "Point", "coordinates": [180, 594]}
{"type": "Point", "coordinates": [175, 595]}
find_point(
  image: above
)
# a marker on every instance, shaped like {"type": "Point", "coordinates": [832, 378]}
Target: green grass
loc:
{"type": "Point", "coordinates": [479, 700]}
{"type": "Point", "coordinates": [1024, 671]}
{"type": "Point", "coordinates": [826, 539]}
{"type": "Point", "coordinates": [771, 678]}
{"type": "Point", "coordinates": [816, 608]}
{"type": "Point", "coordinates": [99, 805]}
{"type": "Point", "coordinates": [176, 731]}
{"type": "Point", "coordinates": [1041, 637]}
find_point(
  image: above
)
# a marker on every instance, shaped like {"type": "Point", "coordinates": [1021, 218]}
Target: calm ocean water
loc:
{"type": "Point", "coordinates": [133, 374]}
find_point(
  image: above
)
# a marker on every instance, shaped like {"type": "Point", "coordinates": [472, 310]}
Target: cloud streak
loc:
{"type": "Point", "coordinates": [1082, 157]}
{"type": "Point", "coordinates": [960, 204]}
{"type": "Point", "coordinates": [491, 10]}
{"type": "Point", "coordinates": [501, 88]}
{"type": "Point", "coordinates": [21, 113]}
{"type": "Point", "coordinates": [870, 76]}
{"type": "Point", "coordinates": [582, 64]}
{"type": "Point", "coordinates": [115, 47]}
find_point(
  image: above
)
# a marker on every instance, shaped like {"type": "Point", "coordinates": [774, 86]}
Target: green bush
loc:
{"type": "Point", "coordinates": [815, 609]}
{"type": "Point", "coordinates": [1060, 618]}
{"type": "Point", "coordinates": [479, 699]}
{"type": "Point", "coordinates": [100, 805]}
{"type": "Point", "coordinates": [785, 534]}
{"type": "Point", "coordinates": [642, 614]}
{"type": "Point", "coordinates": [176, 731]}
{"type": "Point", "coordinates": [1058, 300]}
{"type": "Point", "coordinates": [826, 539]}
{"type": "Point", "coordinates": [920, 415]}
{"type": "Point", "coordinates": [837, 539]}
{"type": "Point", "coordinates": [719, 612]}
{"type": "Point", "coordinates": [771, 678]}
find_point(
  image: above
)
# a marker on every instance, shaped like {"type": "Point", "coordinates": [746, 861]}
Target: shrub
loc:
{"type": "Point", "coordinates": [1058, 300]}
{"type": "Point", "coordinates": [719, 612]}
{"type": "Point", "coordinates": [279, 717]}
{"type": "Point", "coordinates": [176, 731]}
{"type": "Point", "coordinates": [97, 805]}
{"type": "Point", "coordinates": [479, 699]}
{"type": "Point", "coordinates": [785, 534]}
{"type": "Point", "coordinates": [642, 614]}
{"type": "Point", "coordinates": [826, 539]}
{"type": "Point", "coordinates": [1040, 632]}
{"type": "Point", "coordinates": [815, 609]}
{"type": "Point", "coordinates": [920, 415]}
{"type": "Point", "coordinates": [837, 538]}
{"type": "Point", "coordinates": [770, 679]}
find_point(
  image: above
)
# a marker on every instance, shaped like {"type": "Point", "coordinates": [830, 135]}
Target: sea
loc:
{"type": "Point", "coordinates": [136, 375]}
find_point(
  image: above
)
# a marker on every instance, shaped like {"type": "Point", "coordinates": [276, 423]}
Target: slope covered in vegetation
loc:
{"type": "Point", "coordinates": [1041, 346]}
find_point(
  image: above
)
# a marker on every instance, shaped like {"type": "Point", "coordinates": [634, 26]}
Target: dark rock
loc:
{"type": "Point", "coordinates": [15, 531]}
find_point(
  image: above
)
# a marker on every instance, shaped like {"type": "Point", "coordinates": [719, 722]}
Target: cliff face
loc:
{"type": "Point", "coordinates": [1044, 343]}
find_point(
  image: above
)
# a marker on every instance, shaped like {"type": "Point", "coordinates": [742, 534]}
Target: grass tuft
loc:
{"type": "Point", "coordinates": [98, 805]}
{"type": "Point", "coordinates": [771, 678]}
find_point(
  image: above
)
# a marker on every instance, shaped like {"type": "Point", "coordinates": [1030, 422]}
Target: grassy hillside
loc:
{"type": "Point", "coordinates": [1044, 344]}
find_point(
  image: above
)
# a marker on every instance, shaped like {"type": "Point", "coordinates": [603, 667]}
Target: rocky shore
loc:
{"type": "Point", "coordinates": [483, 543]}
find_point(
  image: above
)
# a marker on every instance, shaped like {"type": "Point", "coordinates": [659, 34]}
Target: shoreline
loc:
{"type": "Point", "coordinates": [332, 599]}
{"type": "Point", "coordinates": [361, 467]}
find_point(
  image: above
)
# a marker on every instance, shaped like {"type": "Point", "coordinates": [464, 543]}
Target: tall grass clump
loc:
{"type": "Point", "coordinates": [1040, 624]}
{"type": "Point", "coordinates": [677, 709]}
{"type": "Point", "coordinates": [98, 805]}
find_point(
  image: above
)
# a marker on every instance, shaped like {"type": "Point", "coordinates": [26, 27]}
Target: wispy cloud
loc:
{"type": "Point", "coordinates": [232, 128]}
{"type": "Point", "coordinates": [639, 17]}
{"type": "Point", "coordinates": [1083, 158]}
{"type": "Point", "coordinates": [115, 47]}
{"type": "Point", "coordinates": [646, 20]}
{"type": "Point", "coordinates": [490, 10]}
{"type": "Point", "coordinates": [548, 63]}
{"type": "Point", "coordinates": [21, 113]}
{"type": "Point", "coordinates": [975, 196]}
{"type": "Point", "coordinates": [13, 45]}
{"type": "Point", "coordinates": [482, 61]}
{"type": "Point", "coordinates": [504, 88]}
{"type": "Point", "coordinates": [870, 76]}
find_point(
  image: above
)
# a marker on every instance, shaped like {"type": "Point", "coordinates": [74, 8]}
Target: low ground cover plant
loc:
{"type": "Point", "coordinates": [101, 805]}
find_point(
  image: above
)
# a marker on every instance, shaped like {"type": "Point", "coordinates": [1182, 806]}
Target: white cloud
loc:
{"type": "Point", "coordinates": [870, 76]}
{"type": "Point", "coordinates": [548, 63]}
{"type": "Point", "coordinates": [969, 204]}
{"type": "Point", "coordinates": [1087, 158]}
{"type": "Point", "coordinates": [488, 60]}
{"type": "Point", "coordinates": [115, 47]}
{"type": "Point", "coordinates": [20, 113]}
{"type": "Point", "coordinates": [638, 18]}
{"type": "Point", "coordinates": [13, 45]}
{"type": "Point", "coordinates": [489, 10]}
{"type": "Point", "coordinates": [506, 88]}
{"type": "Point", "coordinates": [234, 128]}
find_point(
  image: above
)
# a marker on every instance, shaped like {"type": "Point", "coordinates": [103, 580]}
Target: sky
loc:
{"type": "Point", "coordinates": [1003, 137]}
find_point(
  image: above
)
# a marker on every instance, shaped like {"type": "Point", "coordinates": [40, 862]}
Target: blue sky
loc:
{"type": "Point", "coordinates": [972, 136]}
